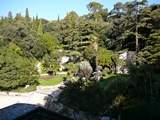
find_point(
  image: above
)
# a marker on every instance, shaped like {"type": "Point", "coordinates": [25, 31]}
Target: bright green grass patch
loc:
{"type": "Point", "coordinates": [28, 89]}
{"type": "Point", "coordinates": [53, 81]}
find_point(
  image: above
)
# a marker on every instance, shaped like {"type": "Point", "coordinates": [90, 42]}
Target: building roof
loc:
{"type": "Point", "coordinates": [22, 111]}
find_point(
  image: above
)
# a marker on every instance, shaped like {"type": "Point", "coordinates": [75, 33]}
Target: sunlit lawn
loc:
{"type": "Point", "coordinates": [53, 81]}
{"type": "Point", "coordinates": [50, 82]}
{"type": "Point", "coordinates": [28, 89]}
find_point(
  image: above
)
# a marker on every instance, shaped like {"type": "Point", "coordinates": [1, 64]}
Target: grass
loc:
{"type": "Point", "coordinates": [50, 82]}
{"type": "Point", "coordinates": [103, 82]}
{"type": "Point", "coordinates": [25, 90]}
{"type": "Point", "coordinates": [110, 77]}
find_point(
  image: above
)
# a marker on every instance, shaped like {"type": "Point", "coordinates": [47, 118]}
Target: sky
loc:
{"type": "Point", "coordinates": [51, 9]}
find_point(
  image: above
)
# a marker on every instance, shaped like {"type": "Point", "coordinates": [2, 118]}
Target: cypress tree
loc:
{"type": "Point", "coordinates": [10, 17]}
{"type": "Point", "coordinates": [27, 15]}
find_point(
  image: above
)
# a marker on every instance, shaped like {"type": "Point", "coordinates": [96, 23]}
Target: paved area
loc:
{"type": "Point", "coordinates": [37, 97]}
{"type": "Point", "coordinates": [13, 105]}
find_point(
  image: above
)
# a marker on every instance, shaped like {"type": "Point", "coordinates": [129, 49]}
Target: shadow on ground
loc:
{"type": "Point", "coordinates": [28, 112]}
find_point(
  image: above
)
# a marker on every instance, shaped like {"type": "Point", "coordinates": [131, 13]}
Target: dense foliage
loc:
{"type": "Point", "coordinates": [15, 69]}
{"type": "Point", "coordinates": [95, 38]}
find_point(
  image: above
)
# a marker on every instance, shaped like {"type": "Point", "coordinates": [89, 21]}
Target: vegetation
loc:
{"type": "Point", "coordinates": [15, 70]}
{"type": "Point", "coordinates": [95, 40]}
{"type": "Point", "coordinates": [50, 82]}
{"type": "Point", "coordinates": [26, 89]}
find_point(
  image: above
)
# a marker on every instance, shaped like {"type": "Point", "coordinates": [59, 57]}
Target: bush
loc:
{"type": "Point", "coordinates": [145, 81]}
{"type": "Point", "coordinates": [108, 59]}
{"type": "Point", "coordinates": [49, 63]}
{"type": "Point", "coordinates": [84, 96]}
{"type": "Point", "coordinates": [72, 67]}
{"type": "Point", "coordinates": [142, 112]}
{"type": "Point", "coordinates": [15, 69]}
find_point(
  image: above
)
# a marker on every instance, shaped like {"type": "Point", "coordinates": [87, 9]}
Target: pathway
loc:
{"type": "Point", "coordinates": [37, 97]}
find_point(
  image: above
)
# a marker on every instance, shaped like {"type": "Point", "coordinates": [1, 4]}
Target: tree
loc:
{"type": "Point", "coordinates": [150, 22]}
{"type": "Point", "coordinates": [115, 29]}
{"type": "Point", "coordinates": [124, 26]}
{"type": "Point", "coordinates": [10, 17]}
{"type": "Point", "coordinates": [28, 41]}
{"type": "Point", "coordinates": [114, 34]}
{"type": "Point", "coordinates": [97, 12]}
{"type": "Point", "coordinates": [15, 70]}
{"type": "Point", "coordinates": [51, 44]}
{"type": "Point", "coordinates": [134, 10]}
{"type": "Point", "coordinates": [94, 7]}
{"type": "Point", "coordinates": [27, 15]}
{"type": "Point", "coordinates": [68, 30]}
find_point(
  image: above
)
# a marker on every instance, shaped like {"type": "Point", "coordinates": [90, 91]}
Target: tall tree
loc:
{"type": "Point", "coordinates": [94, 7]}
{"type": "Point", "coordinates": [133, 10]}
{"type": "Point", "coordinates": [27, 15]}
{"type": "Point", "coordinates": [150, 27]}
{"type": "Point", "coordinates": [10, 16]}
{"type": "Point", "coordinates": [97, 12]}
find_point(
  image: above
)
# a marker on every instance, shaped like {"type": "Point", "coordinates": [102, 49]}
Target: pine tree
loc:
{"type": "Point", "coordinates": [10, 17]}
{"type": "Point", "coordinates": [36, 17]}
{"type": "Point", "coordinates": [58, 19]}
{"type": "Point", "coordinates": [27, 15]}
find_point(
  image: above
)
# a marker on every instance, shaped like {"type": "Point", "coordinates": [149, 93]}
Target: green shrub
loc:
{"type": "Point", "coordinates": [84, 96]}
{"type": "Point", "coordinates": [15, 69]}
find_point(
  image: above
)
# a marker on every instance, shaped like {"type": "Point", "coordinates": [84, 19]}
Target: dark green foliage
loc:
{"type": "Point", "coordinates": [27, 17]}
{"type": "Point", "coordinates": [117, 92]}
{"type": "Point", "coordinates": [114, 34]}
{"type": "Point", "coordinates": [145, 82]}
{"type": "Point", "coordinates": [150, 54]}
{"type": "Point", "coordinates": [84, 96]}
{"type": "Point", "coordinates": [97, 12]}
{"type": "Point", "coordinates": [25, 41]}
{"type": "Point", "coordinates": [75, 32]}
{"type": "Point", "coordinates": [125, 23]}
{"type": "Point", "coordinates": [142, 112]}
{"type": "Point", "coordinates": [15, 70]}
{"type": "Point", "coordinates": [10, 17]}
{"type": "Point", "coordinates": [19, 33]}
{"type": "Point", "coordinates": [20, 47]}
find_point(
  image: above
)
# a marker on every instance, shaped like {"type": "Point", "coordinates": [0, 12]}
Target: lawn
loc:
{"type": "Point", "coordinates": [106, 79]}
{"type": "Point", "coordinates": [28, 89]}
{"type": "Point", "coordinates": [50, 82]}
{"type": "Point", "coordinates": [110, 77]}
{"type": "Point", "coordinates": [53, 81]}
